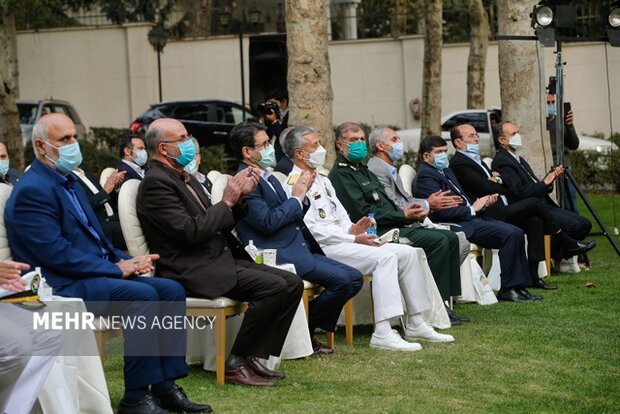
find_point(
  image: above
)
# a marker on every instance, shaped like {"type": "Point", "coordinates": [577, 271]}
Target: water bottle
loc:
{"type": "Point", "coordinates": [252, 250]}
{"type": "Point", "coordinates": [373, 225]}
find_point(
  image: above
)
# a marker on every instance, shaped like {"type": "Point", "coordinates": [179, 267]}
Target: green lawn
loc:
{"type": "Point", "coordinates": [558, 355]}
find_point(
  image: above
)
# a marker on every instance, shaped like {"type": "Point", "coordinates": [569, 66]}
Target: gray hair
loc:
{"type": "Point", "coordinates": [346, 127]}
{"type": "Point", "coordinates": [295, 139]}
{"type": "Point", "coordinates": [153, 137]}
{"type": "Point", "coordinates": [375, 136]}
{"type": "Point", "coordinates": [39, 131]}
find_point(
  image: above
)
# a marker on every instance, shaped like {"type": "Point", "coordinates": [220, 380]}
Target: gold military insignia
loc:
{"type": "Point", "coordinates": [292, 179]}
{"type": "Point", "coordinates": [322, 213]}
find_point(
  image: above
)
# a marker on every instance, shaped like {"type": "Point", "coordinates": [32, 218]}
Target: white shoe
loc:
{"type": "Point", "coordinates": [393, 342]}
{"type": "Point", "coordinates": [427, 333]}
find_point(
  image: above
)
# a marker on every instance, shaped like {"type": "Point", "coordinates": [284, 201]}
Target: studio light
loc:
{"type": "Point", "coordinates": [543, 15]}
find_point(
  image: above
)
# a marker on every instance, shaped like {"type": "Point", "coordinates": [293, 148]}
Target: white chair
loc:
{"type": "Point", "coordinates": [280, 176]}
{"type": "Point", "coordinates": [406, 173]}
{"type": "Point", "coordinates": [488, 161]}
{"type": "Point", "coordinates": [5, 249]}
{"type": "Point", "coordinates": [212, 175]}
{"type": "Point", "coordinates": [105, 174]}
{"type": "Point", "coordinates": [217, 309]}
{"type": "Point", "coordinates": [217, 189]}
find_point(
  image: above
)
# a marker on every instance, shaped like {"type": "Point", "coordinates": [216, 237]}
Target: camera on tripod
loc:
{"type": "Point", "coordinates": [268, 108]}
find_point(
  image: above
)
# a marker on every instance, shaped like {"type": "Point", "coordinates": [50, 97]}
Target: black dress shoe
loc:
{"type": "Point", "coordinates": [512, 295]}
{"type": "Point", "coordinates": [245, 376]}
{"type": "Point", "coordinates": [541, 284]}
{"type": "Point", "coordinates": [176, 400]}
{"type": "Point", "coordinates": [454, 318]}
{"type": "Point", "coordinates": [260, 369]}
{"type": "Point", "coordinates": [320, 349]}
{"type": "Point", "coordinates": [582, 247]}
{"type": "Point", "coordinates": [527, 294]}
{"type": "Point", "coordinates": [146, 406]}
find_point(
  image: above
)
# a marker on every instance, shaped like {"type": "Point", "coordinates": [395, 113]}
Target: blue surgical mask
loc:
{"type": "Point", "coordinates": [473, 149]}
{"type": "Point", "coordinates": [192, 167]}
{"type": "Point", "coordinates": [187, 152]}
{"type": "Point", "coordinates": [551, 110]}
{"type": "Point", "coordinates": [141, 157]}
{"type": "Point", "coordinates": [398, 149]}
{"type": "Point", "coordinates": [268, 157]}
{"type": "Point", "coordinates": [357, 151]}
{"type": "Point", "coordinates": [441, 161]}
{"type": "Point", "coordinates": [4, 167]}
{"type": "Point", "coordinates": [69, 157]}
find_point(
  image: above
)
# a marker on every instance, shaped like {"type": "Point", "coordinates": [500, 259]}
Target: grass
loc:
{"type": "Point", "coordinates": [558, 355]}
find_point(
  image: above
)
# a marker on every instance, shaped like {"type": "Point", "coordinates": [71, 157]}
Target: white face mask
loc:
{"type": "Point", "coordinates": [141, 157]}
{"type": "Point", "coordinates": [317, 158]}
{"type": "Point", "coordinates": [515, 141]}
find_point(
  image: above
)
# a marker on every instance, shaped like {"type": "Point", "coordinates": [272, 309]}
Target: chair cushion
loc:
{"type": "Point", "coordinates": [216, 303]}
{"type": "Point", "coordinates": [105, 174]}
{"type": "Point", "coordinates": [217, 190]}
{"type": "Point", "coordinates": [128, 216]}
{"type": "Point", "coordinates": [5, 250]}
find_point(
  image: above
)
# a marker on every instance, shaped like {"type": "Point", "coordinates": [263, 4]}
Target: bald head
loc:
{"type": "Point", "coordinates": [162, 139]}
{"type": "Point", "coordinates": [49, 134]}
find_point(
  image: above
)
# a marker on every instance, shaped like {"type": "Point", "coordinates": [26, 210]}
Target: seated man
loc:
{"type": "Point", "coordinates": [361, 193]}
{"type": "Point", "coordinates": [521, 183]}
{"type": "Point", "coordinates": [394, 267]}
{"type": "Point", "coordinates": [275, 221]}
{"type": "Point", "coordinates": [78, 261]}
{"type": "Point", "coordinates": [530, 214]}
{"type": "Point", "coordinates": [8, 175]}
{"type": "Point", "coordinates": [386, 149]}
{"type": "Point", "coordinates": [133, 158]}
{"type": "Point", "coordinates": [435, 175]}
{"type": "Point", "coordinates": [199, 251]}
{"type": "Point", "coordinates": [26, 354]}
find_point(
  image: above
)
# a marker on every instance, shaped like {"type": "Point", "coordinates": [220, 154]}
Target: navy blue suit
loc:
{"type": "Point", "coordinates": [130, 173]}
{"type": "Point", "coordinates": [275, 221]}
{"type": "Point", "coordinates": [46, 229]}
{"type": "Point", "coordinates": [485, 232]}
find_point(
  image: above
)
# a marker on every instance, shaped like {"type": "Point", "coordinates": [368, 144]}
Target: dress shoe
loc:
{"type": "Point", "coordinates": [261, 370]}
{"type": "Point", "coordinates": [146, 406]}
{"type": "Point", "coordinates": [393, 342]}
{"type": "Point", "coordinates": [176, 400]}
{"type": "Point", "coordinates": [454, 318]}
{"type": "Point", "coordinates": [527, 294]}
{"type": "Point", "coordinates": [582, 247]}
{"type": "Point", "coordinates": [426, 332]}
{"type": "Point", "coordinates": [541, 284]}
{"type": "Point", "coordinates": [512, 295]}
{"type": "Point", "coordinates": [245, 376]}
{"type": "Point", "coordinates": [320, 349]}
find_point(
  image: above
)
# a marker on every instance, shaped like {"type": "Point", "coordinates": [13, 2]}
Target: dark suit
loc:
{"type": "Point", "coordinates": [360, 192]}
{"type": "Point", "coordinates": [12, 177]}
{"type": "Point", "coordinates": [130, 173]}
{"type": "Point", "coordinates": [51, 224]}
{"type": "Point", "coordinates": [521, 183]}
{"type": "Point", "coordinates": [284, 165]}
{"type": "Point", "coordinates": [275, 221]}
{"type": "Point", "coordinates": [198, 250]}
{"type": "Point", "coordinates": [485, 232]}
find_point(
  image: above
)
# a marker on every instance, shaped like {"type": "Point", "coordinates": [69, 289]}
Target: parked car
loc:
{"type": "Point", "coordinates": [31, 110]}
{"type": "Point", "coordinates": [483, 121]}
{"type": "Point", "coordinates": [208, 120]}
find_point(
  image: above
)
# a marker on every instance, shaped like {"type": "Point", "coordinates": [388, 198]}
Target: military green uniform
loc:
{"type": "Point", "coordinates": [360, 192]}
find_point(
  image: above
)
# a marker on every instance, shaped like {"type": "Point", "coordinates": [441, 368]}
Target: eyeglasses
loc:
{"type": "Point", "coordinates": [475, 135]}
{"type": "Point", "coordinates": [263, 146]}
{"type": "Point", "coordinates": [182, 139]}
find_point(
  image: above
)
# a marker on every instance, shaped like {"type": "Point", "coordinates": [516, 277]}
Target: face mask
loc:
{"type": "Point", "coordinates": [192, 167]}
{"type": "Point", "coordinates": [141, 157]}
{"type": "Point", "coordinates": [4, 167]}
{"type": "Point", "coordinates": [515, 141]}
{"type": "Point", "coordinates": [357, 151]}
{"type": "Point", "coordinates": [398, 149]}
{"type": "Point", "coordinates": [551, 110]}
{"type": "Point", "coordinates": [473, 148]}
{"type": "Point", "coordinates": [187, 152]}
{"type": "Point", "coordinates": [268, 157]}
{"type": "Point", "coordinates": [317, 158]}
{"type": "Point", "coordinates": [69, 157]}
{"type": "Point", "coordinates": [441, 161]}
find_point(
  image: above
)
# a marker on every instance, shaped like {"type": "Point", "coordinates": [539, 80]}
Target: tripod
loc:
{"type": "Point", "coordinates": [559, 143]}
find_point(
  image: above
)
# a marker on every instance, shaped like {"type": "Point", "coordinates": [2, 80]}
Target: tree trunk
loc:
{"type": "Point", "coordinates": [309, 76]}
{"type": "Point", "coordinates": [522, 95]}
{"type": "Point", "coordinates": [431, 88]}
{"type": "Point", "coordinates": [10, 131]}
{"type": "Point", "coordinates": [479, 40]}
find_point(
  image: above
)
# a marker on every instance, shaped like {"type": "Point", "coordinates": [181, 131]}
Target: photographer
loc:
{"type": "Point", "coordinates": [274, 115]}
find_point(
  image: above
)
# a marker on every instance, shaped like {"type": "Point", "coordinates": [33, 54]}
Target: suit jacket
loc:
{"type": "Point", "coordinates": [44, 229]}
{"type": "Point", "coordinates": [284, 165]}
{"type": "Point", "coordinates": [130, 173]}
{"type": "Point", "coordinates": [275, 221]}
{"type": "Point", "coordinates": [517, 177]}
{"type": "Point", "coordinates": [12, 177]}
{"type": "Point", "coordinates": [392, 185]}
{"type": "Point", "coordinates": [193, 238]}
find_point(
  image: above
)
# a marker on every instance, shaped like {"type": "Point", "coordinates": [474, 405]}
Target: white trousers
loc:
{"type": "Point", "coordinates": [26, 356]}
{"type": "Point", "coordinates": [395, 269]}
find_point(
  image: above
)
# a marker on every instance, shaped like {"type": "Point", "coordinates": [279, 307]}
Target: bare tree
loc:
{"type": "Point", "coordinates": [309, 75]}
{"type": "Point", "coordinates": [520, 83]}
{"type": "Point", "coordinates": [431, 78]}
{"type": "Point", "coordinates": [10, 131]}
{"type": "Point", "coordinates": [479, 40]}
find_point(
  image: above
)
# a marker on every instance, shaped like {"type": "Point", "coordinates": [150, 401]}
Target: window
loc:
{"type": "Point", "coordinates": [476, 119]}
{"type": "Point", "coordinates": [191, 112]}
{"type": "Point", "coordinates": [27, 113]}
